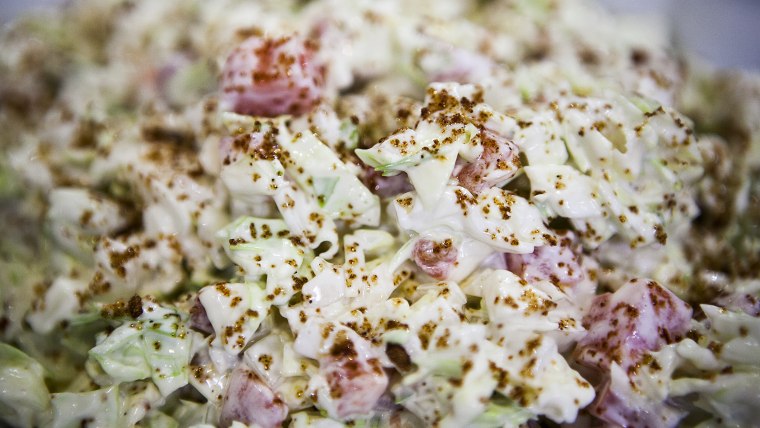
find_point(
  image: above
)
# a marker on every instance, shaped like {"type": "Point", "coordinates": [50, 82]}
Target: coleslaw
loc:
{"type": "Point", "coordinates": [286, 213]}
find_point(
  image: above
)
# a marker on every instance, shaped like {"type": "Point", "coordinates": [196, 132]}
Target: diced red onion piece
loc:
{"type": "Point", "coordinates": [385, 186]}
{"type": "Point", "coordinates": [199, 319]}
{"type": "Point", "coordinates": [746, 303]}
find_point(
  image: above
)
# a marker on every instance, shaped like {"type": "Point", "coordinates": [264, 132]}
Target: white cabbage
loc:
{"type": "Point", "coordinates": [24, 398]}
{"type": "Point", "coordinates": [155, 345]}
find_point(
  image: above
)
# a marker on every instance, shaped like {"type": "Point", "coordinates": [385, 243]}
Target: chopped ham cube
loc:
{"type": "Point", "coordinates": [641, 316]}
{"type": "Point", "coordinates": [435, 258]}
{"type": "Point", "coordinates": [498, 162]}
{"type": "Point", "coordinates": [623, 328]}
{"type": "Point", "coordinates": [558, 262]}
{"type": "Point", "coordinates": [251, 401]}
{"type": "Point", "coordinates": [615, 405]}
{"type": "Point", "coordinates": [271, 77]}
{"type": "Point", "coordinates": [356, 382]}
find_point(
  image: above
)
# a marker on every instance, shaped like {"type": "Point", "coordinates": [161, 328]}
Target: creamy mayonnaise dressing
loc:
{"type": "Point", "coordinates": [320, 213]}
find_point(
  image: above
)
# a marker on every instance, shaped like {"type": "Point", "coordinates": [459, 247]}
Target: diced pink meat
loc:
{"type": "Point", "coordinates": [624, 327]}
{"type": "Point", "coordinates": [199, 319]}
{"type": "Point", "coordinates": [641, 316]}
{"type": "Point", "coordinates": [251, 401]}
{"type": "Point", "coordinates": [356, 385]}
{"type": "Point", "coordinates": [383, 186]}
{"type": "Point", "coordinates": [614, 407]}
{"type": "Point", "coordinates": [435, 258]}
{"type": "Point", "coordinates": [355, 382]}
{"type": "Point", "coordinates": [557, 262]}
{"type": "Point", "coordinates": [498, 162]}
{"type": "Point", "coordinates": [270, 77]}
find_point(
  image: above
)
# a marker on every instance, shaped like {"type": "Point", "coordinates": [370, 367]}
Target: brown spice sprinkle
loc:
{"type": "Point", "coordinates": [343, 347]}
{"type": "Point", "coordinates": [500, 375]}
{"type": "Point", "coordinates": [223, 289]}
{"type": "Point", "coordinates": [85, 218]}
{"type": "Point", "coordinates": [398, 356]}
{"type": "Point", "coordinates": [155, 132]}
{"type": "Point", "coordinates": [404, 202]}
{"type": "Point", "coordinates": [265, 361]}
{"type": "Point", "coordinates": [121, 309]}
{"type": "Point", "coordinates": [395, 325]}
{"type": "Point", "coordinates": [118, 259]}
{"type": "Point", "coordinates": [98, 285]}
{"type": "Point", "coordinates": [426, 331]}
{"type": "Point", "coordinates": [660, 234]}
{"type": "Point", "coordinates": [566, 323]}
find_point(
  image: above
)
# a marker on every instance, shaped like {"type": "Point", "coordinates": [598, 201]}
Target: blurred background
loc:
{"type": "Point", "coordinates": [11, 8]}
{"type": "Point", "coordinates": [724, 32]}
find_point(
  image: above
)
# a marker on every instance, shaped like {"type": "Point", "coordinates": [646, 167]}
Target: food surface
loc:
{"type": "Point", "coordinates": [373, 213]}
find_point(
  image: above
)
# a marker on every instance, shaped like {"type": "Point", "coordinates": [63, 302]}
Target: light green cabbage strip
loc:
{"type": "Point", "coordinates": [160, 420]}
{"type": "Point", "coordinates": [24, 398]}
{"type": "Point", "coordinates": [351, 133]}
{"type": "Point", "coordinates": [502, 413]}
{"type": "Point", "coordinates": [731, 396]}
{"type": "Point", "coordinates": [99, 408]}
{"type": "Point", "coordinates": [156, 345]}
{"type": "Point", "coordinates": [318, 170]}
{"type": "Point", "coordinates": [235, 311]}
{"type": "Point", "coordinates": [113, 406]}
{"type": "Point", "coordinates": [498, 218]}
{"type": "Point", "coordinates": [68, 206]}
{"type": "Point", "coordinates": [263, 248]}
{"type": "Point", "coordinates": [190, 83]}
{"type": "Point", "coordinates": [311, 420]}
{"type": "Point", "coordinates": [428, 153]}
{"type": "Point", "coordinates": [427, 161]}
{"type": "Point", "coordinates": [314, 166]}
{"type": "Point", "coordinates": [189, 412]}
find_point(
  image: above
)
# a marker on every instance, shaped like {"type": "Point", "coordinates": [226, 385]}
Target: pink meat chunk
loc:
{"type": "Point", "coordinates": [558, 262]}
{"type": "Point", "coordinates": [270, 77]}
{"type": "Point", "coordinates": [641, 316]}
{"type": "Point", "coordinates": [615, 408]}
{"type": "Point", "coordinates": [435, 258]}
{"type": "Point", "coordinates": [498, 162]}
{"type": "Point", "coordinates": [355, 382]}
{"type": "Point", "coordinates": [251, 401]}
{"type": "Point", "coordinates": [624, 327]}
